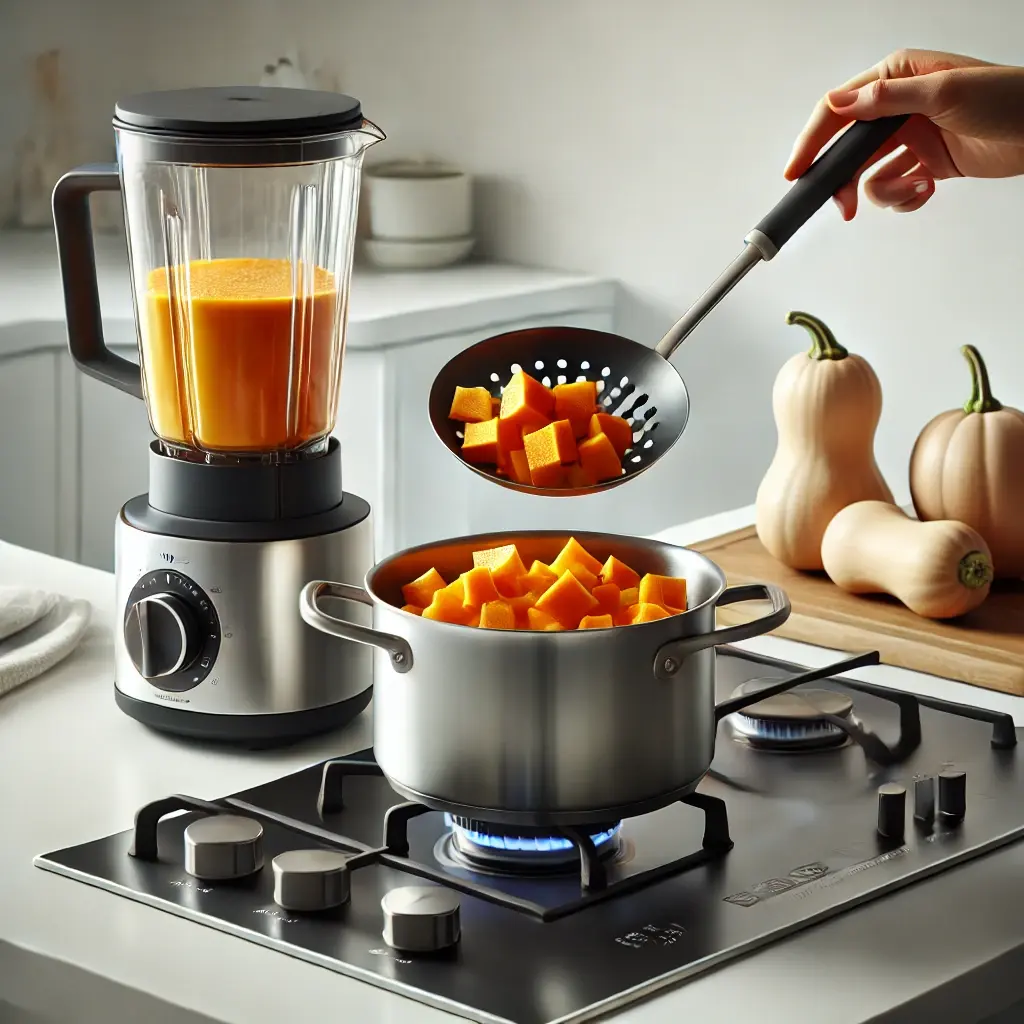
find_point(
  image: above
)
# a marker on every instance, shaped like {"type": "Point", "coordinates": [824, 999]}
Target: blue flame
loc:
{"type": "Point", "coordinates": [530, 844]}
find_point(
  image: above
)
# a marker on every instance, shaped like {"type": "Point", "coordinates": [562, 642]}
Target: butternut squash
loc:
{"type": "Point", "coordinates": [968, 464]}
{"type": "Point", "coordinates": [939, 569]}
{"type": "Point", "coordinates": [827, 404]}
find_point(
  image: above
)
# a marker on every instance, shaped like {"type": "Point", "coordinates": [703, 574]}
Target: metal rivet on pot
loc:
{"type": "Point", "coordinates": [670, 665]}
{"type": "Point", "coordinates": [399, 658]}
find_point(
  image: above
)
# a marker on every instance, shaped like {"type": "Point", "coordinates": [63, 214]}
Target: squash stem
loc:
{"type": "Point", "coordinates": [823, 341]}
{"type": "Point", "coordinates": [982, 399]}
{"type": "Point", "coordinates": [975, 570]}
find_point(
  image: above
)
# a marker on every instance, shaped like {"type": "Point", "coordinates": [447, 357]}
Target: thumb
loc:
{"type": "Point", "coordinates": [885, 97]}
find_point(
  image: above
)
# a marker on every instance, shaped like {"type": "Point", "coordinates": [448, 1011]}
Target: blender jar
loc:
{"type": "Point", "coordinates": [240, 211]}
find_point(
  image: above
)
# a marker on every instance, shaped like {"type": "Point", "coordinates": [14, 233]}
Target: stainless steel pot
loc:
{"type": "Point", "coordinates": [544, 728]}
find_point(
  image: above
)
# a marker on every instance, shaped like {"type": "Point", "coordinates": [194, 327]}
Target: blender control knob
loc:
{"type": "Point", "coordinates": [892, 811]}
{"type": "Point", "coordinates": [223, 847]}
{"type": "Point", "coordinates": [310, 880]}
{"type": "Point", "coordinates": [161, 635]}
{"type": "Point", "coordinates": [952, 795]}
{"type": "Point", "coordinates": [421, 918]}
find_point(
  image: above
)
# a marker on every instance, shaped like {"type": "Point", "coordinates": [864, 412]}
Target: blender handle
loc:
{"type": "Point", "coordinates": [77, 258]}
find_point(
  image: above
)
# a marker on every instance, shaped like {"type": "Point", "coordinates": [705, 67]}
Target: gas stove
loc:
{"type": "Point", "coordinates": [818, 799]}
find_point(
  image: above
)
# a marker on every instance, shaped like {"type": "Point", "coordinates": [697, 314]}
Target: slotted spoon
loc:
{"type": "Point", "coordinates": [634, 381]}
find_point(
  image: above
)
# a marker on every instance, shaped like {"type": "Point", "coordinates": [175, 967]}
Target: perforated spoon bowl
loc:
{"type": "Point", "coordinates": [637, 382]}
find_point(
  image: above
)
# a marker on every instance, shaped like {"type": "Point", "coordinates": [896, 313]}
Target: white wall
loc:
{"type": "Point", "coordinates": [641, 141]}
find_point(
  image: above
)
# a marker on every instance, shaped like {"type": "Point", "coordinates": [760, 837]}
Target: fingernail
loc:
{"type": "Point", "coordinates": [921, 186]}
{"type": "Point", "coordinates": [842, 97]}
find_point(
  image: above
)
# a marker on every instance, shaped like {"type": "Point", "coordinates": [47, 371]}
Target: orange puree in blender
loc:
{"type": "Point", "coordinates": [234, 360]}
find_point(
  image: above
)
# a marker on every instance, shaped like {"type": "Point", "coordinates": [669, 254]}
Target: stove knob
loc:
{"type": "Point", "coordinates": [924, 799]}
{"type": "Point", "coordinates": [421, 919]}
{"type": "Point", "coordinates": [223, 847]}
{"type": "Point", "coordinates": [310, 880]}
{"type": "Point", "coordinates": [892, 811]}
{"type": "Point", "coordinates": [161, 635]}
{"type": "Point", "coordinates": [952, 795]}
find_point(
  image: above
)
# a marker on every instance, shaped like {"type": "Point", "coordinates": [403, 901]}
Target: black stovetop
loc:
{"type": "Point", "coordinates": [773, 841]}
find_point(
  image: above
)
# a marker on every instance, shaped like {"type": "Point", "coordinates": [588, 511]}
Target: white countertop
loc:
{"type": "Point", "coordinates": [73, 768]}
{"type": "Point", "coordinates": [387, 308]}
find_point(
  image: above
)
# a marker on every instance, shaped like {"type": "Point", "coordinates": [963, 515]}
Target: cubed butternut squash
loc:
{"type": "Point", "coordinates": [447, 605]}
{"type": "Point", "coordinates": [607, 596]}
{"type": "Point", "coordinates": [649, 613]}
{"type": "Point", "coordinates": [412, 609]}
{"type": "Point", "coordinates": [574, 553]}
{"type": "Point", "coordinates": [480, 443]}
{"type": "Point", "coordinates": [506, 568]}
{"type": "Point", "coordinates": [567, 600]}
{"type": "Point", "coordinates": [497, 615]}
{"type": "Point", "coordinates": [539, 620]}
{"type": "Point", "coordinates": [598, 457]}
{"type": "Point", "coordinates": [575, 402]}
{"type": "Point", "coordinates": [616, 571]}
{"type": "Point", "coordinates": [478, 587]}
{"type": "Point", "coordinates": [472, 405]}
{"type": "Point", "coordinates": [596, 622]}
{"type": "Point", "coordinates": [519, 467]}
{"type": "Point", "coordinates": [618, 431]}
{"type": "Point", "coordinates": [540, 577]}
{"type": "Point", "coordinates": [548, 450]}
{"type": "Point", "coordinates": [667, 591]}
{"type": "Point", "coordinates": [423, 588]}
{"type": "Point", "coordinates": [525, 401]}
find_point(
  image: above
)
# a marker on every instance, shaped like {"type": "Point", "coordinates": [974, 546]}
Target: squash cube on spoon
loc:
{"type": "Point", "coordinates": [548, 451]}
{"type": "Point", "coordinates": [519, 467]}
{"type": "Point", "coordinates": [598, 457]}
{"type": "Point", "coordinates": [480, 443]}
{"type": "Point", "coordinates": [575, 402]}
{"type": "Point", "coordinates": [618, 431]}
{"type": "Point", "coordinates": [526, 402]}
{"type": "Point", "coordinates": [472, 405]}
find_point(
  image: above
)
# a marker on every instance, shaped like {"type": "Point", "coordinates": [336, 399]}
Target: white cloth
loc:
{"type": "Point", "coordinates": [37, 630]}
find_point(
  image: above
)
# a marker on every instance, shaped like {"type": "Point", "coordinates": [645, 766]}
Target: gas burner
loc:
{"type": "Point", "coordinates": [523, 849]}
{"type": "Point", "coordinates": [791, 721]}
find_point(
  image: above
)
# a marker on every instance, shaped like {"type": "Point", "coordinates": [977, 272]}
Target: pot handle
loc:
{"type": "Point", "coordinates": [313, 615]}
{"type": "Point", "coordinates": [670, 657]}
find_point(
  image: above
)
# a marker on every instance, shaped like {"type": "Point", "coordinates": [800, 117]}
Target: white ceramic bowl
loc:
{"type": "Point", "coordinates": [415, 201]}
{"type": "Point", "coordinates": [399, 255]}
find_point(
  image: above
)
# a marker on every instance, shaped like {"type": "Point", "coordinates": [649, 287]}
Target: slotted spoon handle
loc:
{"type": "Point", "coordinates": [822, 180]}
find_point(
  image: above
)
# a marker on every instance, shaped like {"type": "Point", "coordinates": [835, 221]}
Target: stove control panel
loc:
{"type": "Point", "coordinates": [421, 919]}
{"type": "Point", "coordinates": [171, 630]}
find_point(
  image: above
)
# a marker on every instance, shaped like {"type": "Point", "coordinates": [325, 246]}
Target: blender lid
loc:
{"type": "Point", "coordinates": [242, 112]}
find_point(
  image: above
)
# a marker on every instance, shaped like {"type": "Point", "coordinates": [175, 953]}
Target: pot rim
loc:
{"type": "Point", "coordinates": [507, 536]}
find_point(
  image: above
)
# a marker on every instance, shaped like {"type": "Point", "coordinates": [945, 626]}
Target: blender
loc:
{"type": "Point", "coordinates": [240, 211]}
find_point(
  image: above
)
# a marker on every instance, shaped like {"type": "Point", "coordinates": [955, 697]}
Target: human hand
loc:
{"type": "Point", "coordinates": [967, 120]}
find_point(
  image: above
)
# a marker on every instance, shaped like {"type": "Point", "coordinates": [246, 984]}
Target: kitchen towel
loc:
{"type": "Point", "coordinates": [37, 630]}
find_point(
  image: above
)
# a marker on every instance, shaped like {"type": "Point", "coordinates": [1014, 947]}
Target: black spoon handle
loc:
{"type": "Point", "coordinates": [823, 179]}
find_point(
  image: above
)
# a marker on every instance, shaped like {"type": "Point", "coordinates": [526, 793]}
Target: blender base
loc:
{"type": "Point", "coordinates": [253, 732]}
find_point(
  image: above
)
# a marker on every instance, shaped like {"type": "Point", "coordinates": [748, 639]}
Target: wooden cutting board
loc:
{"type": "Point", "coordinates": [984, 648]}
